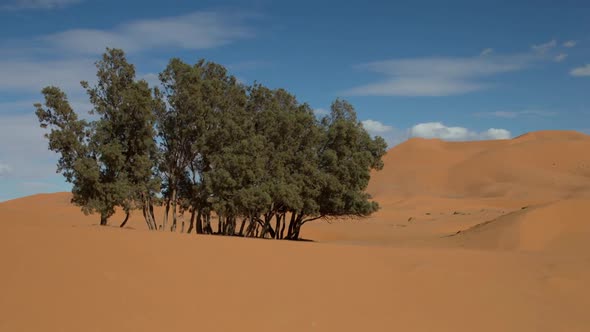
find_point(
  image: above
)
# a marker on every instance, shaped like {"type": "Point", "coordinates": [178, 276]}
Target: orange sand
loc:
{"type": "Point", "coordinates": [472, 236]}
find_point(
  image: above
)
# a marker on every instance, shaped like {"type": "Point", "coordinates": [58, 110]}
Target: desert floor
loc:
{"type": "Point", "coordinates": [472, 236]}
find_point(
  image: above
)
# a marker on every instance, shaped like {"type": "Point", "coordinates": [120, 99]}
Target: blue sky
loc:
{"type": "Point", "coordinates": [455, 70]}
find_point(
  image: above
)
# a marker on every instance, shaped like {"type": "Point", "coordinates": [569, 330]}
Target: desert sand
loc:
{"type": "Point", "coordinates": [472, 236]}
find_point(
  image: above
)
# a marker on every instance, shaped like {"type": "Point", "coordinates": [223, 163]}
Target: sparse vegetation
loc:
{"type": "Point", "coordinates": [254, 158]}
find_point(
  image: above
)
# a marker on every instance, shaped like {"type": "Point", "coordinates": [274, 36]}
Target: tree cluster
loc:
{"type": "Point", "coordinates": [240, 160]}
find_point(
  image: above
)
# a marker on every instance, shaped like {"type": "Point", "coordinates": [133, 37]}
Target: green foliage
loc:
{"type": "Point", "coordinates": [348, 153]}
{"type": "Point", "coordinates": [218, 148]}
{"type": "Point", "coordinates": [110, 160]}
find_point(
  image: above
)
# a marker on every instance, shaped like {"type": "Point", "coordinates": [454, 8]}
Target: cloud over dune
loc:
{"type": "Point", "coordinates": [439, 130]}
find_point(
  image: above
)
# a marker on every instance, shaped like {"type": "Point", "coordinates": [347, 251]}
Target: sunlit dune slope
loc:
{"type": "Point", "coordinates": [544, 165]}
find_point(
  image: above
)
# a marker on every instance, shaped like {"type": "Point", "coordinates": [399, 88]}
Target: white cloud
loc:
{"type": "Point", "coordinates": [390, 134]}
{"type": "Point", "coordinates": [437, 76]}
{"type": "Point", "coordinates": [495, 133]}
{"type": "Point", "coordinates": [376, 127]}
{"type": "Point", "coordinates": [570, 43]}
{"type": "Point", "coordinates": [439, 130]}
{"type": "Point", "coordinates": [581, 71]}
{"type": "Point", "coordinates": [487, 51]}
{"type": "Point", "coordinates": [199, 30]}
{"type": "Point", "coordinates": [544, 48]}
{"type": "Point", "coordinates": [560, 57]}
{"type": "Point", "coordinates": [394, 136]}
{"type": "Point", "coordinates": [415, 87]}
{"type": "Point", "coordinates": [515, 114]}
{"type": "Point", "coordinates": [38, 4]}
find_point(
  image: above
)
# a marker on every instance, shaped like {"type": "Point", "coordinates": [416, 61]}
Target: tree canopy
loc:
{"type": "Point", "coordinates": [241, 160]}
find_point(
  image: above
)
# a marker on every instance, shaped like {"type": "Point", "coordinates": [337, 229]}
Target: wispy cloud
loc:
{"type": "Point", "coordinates": [437, 76]}
{"type": "Point", "coordinates": [581, 71]}
{"type": "Point", "coordinates": [248, 65]}
{"type": "Point", "coordinates": [545, 47]}
{"type": "Point", "coordinates": [516, 114]}
{"type": "Point", "coordinates": [37, 4]}
{"type": "Point", "coordinates": [486, 51]}
{"type": "Point", "coordinates": [439, 130]}
{"type": "Point", "coordinates": [570, 43]}
{"type": "Point", "coordinates": [376, 127]}
{"type": "Point", "coordinates": [199, 30]}
{"type": "Point", "coordinates": [560, 57]}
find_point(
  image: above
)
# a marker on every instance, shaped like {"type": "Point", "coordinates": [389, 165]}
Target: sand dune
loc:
{"type": "Point", "coordinates": [472, 236]}
{"type": "Point", "coordinates": [543, 165]}
{"type": "Point", "coordinates": [560, 227]}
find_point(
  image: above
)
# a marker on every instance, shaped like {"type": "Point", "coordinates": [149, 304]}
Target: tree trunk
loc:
{"type": "Point", "coordinates": [208, 229]}
{"type": "Point", "coordinates": [282, 235]}
{"type": "Point", "coordinates": [233, 226]}
{"type": "Point", "coordinates": [241, 233]}
{"type": "Point", "coordinates": [166, 212]}
{"type": "Point", "coordinates": [152, 215]}
{"type": "Point", "coordinates": [277, 225]}
{"type": "Point", "coordinates": [147, 211]}
{"type": "Point", "coordinates": [199, 223]}
{"type": "Point", "coordinates": [192, 222]}
{"type": "Point", "coordinates": [103, 219]}
{"type": "Point", "coordinates": [126, 219]}
{"type": "Point", "coordinates": [144, 213]}
{"type": "Point", "coordinates": [173, 227]}
{"type": "Point", "coordinates": [266, 228]}
{"type": "Point", "coordinates": [297, 227]}
{"type": "Point", "coordinates": [251, 226]}
{"type": "Point", "coordinates": [227, 226]}
{"type": "Point", "coordinates": [219, 223]}
{"type": "Point", "coordinates": [291, 226]}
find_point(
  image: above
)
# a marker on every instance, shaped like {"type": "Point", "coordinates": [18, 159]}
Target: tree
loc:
{"type": "Point", "coordinates": [178, 129]}
{"type": "Point", "coordinates": [203, 115]}
{"type": "Point", "coordinates": [346, 156]}
{"type": "Point", "coordinates": [109, 161]}
{"type": "Point", "coordinates": [289, 133]}
{"type": "Point", "coordinates": [208, 145]}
